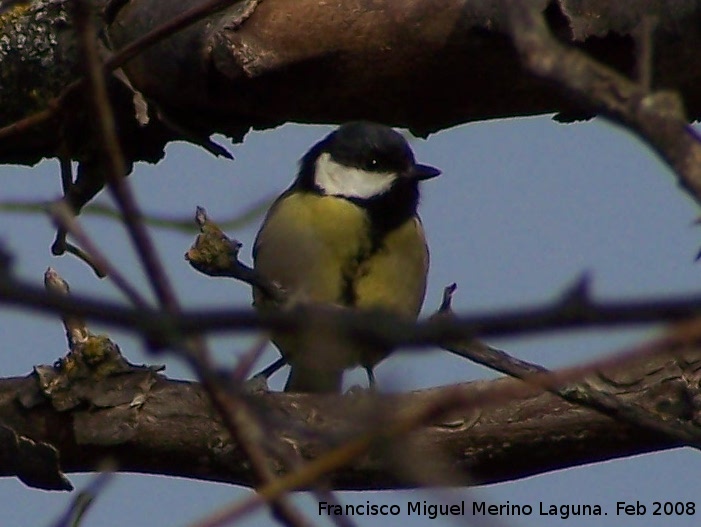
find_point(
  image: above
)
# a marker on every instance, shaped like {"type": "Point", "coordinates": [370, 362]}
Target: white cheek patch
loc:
{"type": "Point", "coordinates": [338, 180]}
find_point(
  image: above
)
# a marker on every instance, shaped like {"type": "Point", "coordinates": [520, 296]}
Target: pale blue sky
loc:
{"type": "Point", "coordinates": [523, 207]}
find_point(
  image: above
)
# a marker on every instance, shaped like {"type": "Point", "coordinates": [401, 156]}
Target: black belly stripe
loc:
{"type": "Point", "coordinates": [358, 268]}
{"type": "Point", "coordinates": [386, 213]}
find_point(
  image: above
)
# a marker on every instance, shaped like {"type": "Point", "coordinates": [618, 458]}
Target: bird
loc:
{"type": "Point", "coordinates": [346, 233]}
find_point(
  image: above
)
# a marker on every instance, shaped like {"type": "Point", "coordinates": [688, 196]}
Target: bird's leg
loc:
{"type": "Point", "coordinates": [372, 382]}
{"type": "Point", "coordinates": [268, 371]}
{"type": "Point", "coordinates": [259, 382]}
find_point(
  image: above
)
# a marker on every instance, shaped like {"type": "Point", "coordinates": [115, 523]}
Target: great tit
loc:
{"type": "Point", "coordinates": [346, 233]}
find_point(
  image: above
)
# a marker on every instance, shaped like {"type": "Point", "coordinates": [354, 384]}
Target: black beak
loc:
{"type": "Point", "coordinates": [422, 172]}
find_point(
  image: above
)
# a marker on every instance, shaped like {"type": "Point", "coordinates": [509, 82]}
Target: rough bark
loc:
{"type": "Point", "coordinates": [150, 424]}
{"type": "Point", "coordinates": [423, 64]}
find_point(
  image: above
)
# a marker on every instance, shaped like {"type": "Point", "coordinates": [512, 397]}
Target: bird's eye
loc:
{"type": "Point", "coordinates": [374, 163]}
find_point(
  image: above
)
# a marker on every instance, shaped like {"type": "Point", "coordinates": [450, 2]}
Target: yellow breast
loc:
{"type": "Point", "coordinates": [311, 244]}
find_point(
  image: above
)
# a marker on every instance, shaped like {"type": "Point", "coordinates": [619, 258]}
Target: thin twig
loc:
{"type": "Point", "coordinates": [644, 47]}
{"type": "Point", "coordinates": [84, 500]}
{"type": "Point", "coordinates": [79, 253]}
{"type": "Point", "coordinates": [66, 168]}
{"type": "Point", "coordinates": [175, 223]}
{"type": "Point", "coordinates": [113, 161]}
{"type": "Point", "coordinates": [216, 254]}
{"type": "Point", "coordinates": [381, 326]}
{"type": "Point", "coordinates": [62, 214]}
{"type": "Point", "coordinates": [579, 393]}
{"type": "Point", "coordinates": [234, 413]}
{"type": "Point", "coordinates": [244, 429]}
{"type": "Point", "coordinates": [76, 329]}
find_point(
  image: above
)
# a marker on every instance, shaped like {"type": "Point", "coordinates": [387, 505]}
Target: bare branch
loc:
{"type": "Point", "coordinates": [67, 222]}
{"type": "Point", "coordinates": [577, 393]}
{"type": "Point", "coordinates": [76, 330]}
{"type": "Point", "coordinates": [215, 254]}
{"type": "Point", "coordinates": [472, 424]}
{"type": "Point", "coordinates": [84, 500]}
{"type": "Point", "coordinates": [656, 117]}
{"type": "Point", "coordinates": [395, 331]}
{"type": "Point", "coordinates": [111, 156]}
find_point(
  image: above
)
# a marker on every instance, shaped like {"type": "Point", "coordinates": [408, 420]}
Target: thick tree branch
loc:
{"type": "Point", "coordinates": [422, 64]}
{"type": "Point", "coordinates": [499, 430]}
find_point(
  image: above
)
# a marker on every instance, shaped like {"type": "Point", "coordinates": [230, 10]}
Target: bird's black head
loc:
{"type": "Point", "coordinates": [367, 163]}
